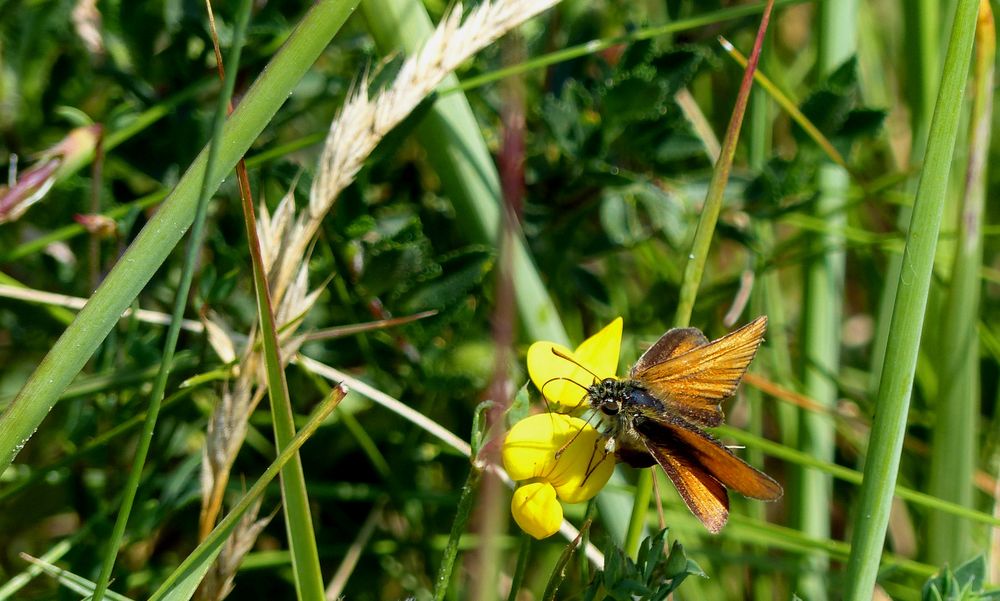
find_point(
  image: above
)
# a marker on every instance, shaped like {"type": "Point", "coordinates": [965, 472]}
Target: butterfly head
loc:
{"type": "Point", "coordinates": [609, 395]}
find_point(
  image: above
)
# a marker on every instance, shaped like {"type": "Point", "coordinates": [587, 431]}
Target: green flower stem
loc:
{"type": "Point", "coordinates": [523, 553]}
{"type": "Point", "coordinates": [823, 315]}
{"type": "Point", "coordinates": [180, 302]}
{"type": "Point", "coordinates": [462, 514]}
{"type": "Point", "coordinates": [155, 242]}
{"type": "Point", "coordinates": [455, 147]}
{"type": "Point", "coordinates": [640, 507]}
{"type": "Point", "coordinates": [68, 231]}
{"type": "Point", "coordinates": [871, 516]}
{"type": "Point", "coordinates": [953, 455]}
{"type": "Point", "coordinates": [695, 267]}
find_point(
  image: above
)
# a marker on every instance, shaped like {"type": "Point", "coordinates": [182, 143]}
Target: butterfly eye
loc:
{"type": "Point", "coordinates": [610, 407]}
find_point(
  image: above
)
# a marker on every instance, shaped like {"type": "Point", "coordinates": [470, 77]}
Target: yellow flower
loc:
{"type": "Point", "coordinates": [579, 472]}
{"type": "Point", "coordinates": [555, 456]}
{"type": "Point", "coordinates": [564, 383]}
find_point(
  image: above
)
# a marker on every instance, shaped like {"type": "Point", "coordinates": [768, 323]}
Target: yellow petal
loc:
{"type": "Point", "coordinates": [600, 352]}
{"type": "Point", "coordinates": [582, 468]}
{"type": "Point", "coordinates": [561, 381]}
{"type": "Point", "coordinates": [529, 451]}
{"type": "Point", "coordinates": [536, 510]}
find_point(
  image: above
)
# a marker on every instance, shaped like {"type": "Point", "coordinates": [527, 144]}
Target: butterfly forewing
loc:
{"type": "Point", "coordinates": [692, 376]}
{"type": "Point", "coordinates": [675, 342]}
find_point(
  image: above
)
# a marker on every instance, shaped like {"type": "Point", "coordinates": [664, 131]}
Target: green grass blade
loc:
{"type": "Point", "coordinates": [73, 582]}
{"type": "Point", "coordinates": [180, 302]}
{"type": "Point", "coordinates": [871, 516]}
{"type": "Point", "coordinates": [823, 314]}
{"type": "Point", "coordinates": [298, 517]}
{"type": "Point", "coordinates": [923, 54]}
{"type": "Point", "coordinates": [953, 456]}
{"type": "Point", "coordinates": [76, 345]}
{"type": "Point", "coordinates": [19, 581]}
{"type": "Point", "coordinates": [181, 584]}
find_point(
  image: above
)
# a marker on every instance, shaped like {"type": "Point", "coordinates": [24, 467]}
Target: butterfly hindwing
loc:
{"type": "Point", "coordinates": [672, 436]}
{"type": "Point", "coordinates": [692, 376]}
{"type": "Point", "coordinates": [703, 494]}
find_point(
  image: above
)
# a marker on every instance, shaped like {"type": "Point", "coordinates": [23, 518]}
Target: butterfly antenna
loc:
{"type": "Point", "coordinates": [562, 355]}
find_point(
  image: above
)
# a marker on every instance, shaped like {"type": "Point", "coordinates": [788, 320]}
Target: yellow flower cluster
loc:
{"type": "Point", "coordinates": [553, 455]}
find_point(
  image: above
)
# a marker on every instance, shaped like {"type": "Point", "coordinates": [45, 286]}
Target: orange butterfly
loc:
{"type": "Point", "coordinates": [656, 415]}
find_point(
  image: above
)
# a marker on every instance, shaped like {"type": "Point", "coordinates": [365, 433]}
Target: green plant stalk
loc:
{"type": "Point", "coordinates": [523, 553]}
{"type": "Point", "coordinates": [154, 243]}
{"type": "Point", "coordinates": [871, 516]}
{"type": "Point", "coordinates": [823, 315]}
{"type": "Point", "coordinates": [923, 53]}
{"type": "Point", "coordinates": [695, 267]}
{"type": "Point", "coordinates": [640, 507]}
{"type": "Point", "coordinates": [953, 455]}
{"type": "Point", "coordinates": [298, 518]}
{"type": "Point", "coordinates": [455, 147]}
{"type": "Point", "coordinates": [190, 572]}
{"type": "Point", "coordinates": [180, 302]}
{"type": "Point", "coordinates": [462, 514]}
{"type": "Point", "coordinates": [51, 556]}
{"type": "Point", "coordinates": [758, 151]}
{"type": "Point", "coordinates": [789, 105]}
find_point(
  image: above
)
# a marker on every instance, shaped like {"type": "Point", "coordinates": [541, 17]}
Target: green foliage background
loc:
{"type": "Point", "coordinates": [614, 177]}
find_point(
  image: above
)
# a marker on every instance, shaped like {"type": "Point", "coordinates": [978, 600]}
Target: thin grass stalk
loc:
{"type": "Point", "coordinates": [845, 474]}
{"type": "Point", "coordinates": [295, 499]}
{"type": "Point", "coordinates": [953, 456]}
{"type": "Point", "coordinates": [523, 553]}
{"type": "Point", "coordinates": [923, 53]}
{"type": "Point", "coordinates": [700, 246]}
{"type": "Point", "coordinates": [759, 146]}
{"type": "Point", "coordinates": [450, 135]}
{"type": "Point", "coordinates": [193, 567]}
{"type": "Point", "coordinates": [598, 45]}
{"type": "Point", "coordinates": [462, 514]}
{"type": "Point", "coordinates": [695, 266]}
{"type": "Point", "coordinates": [789, 105]}
{"type": "Point", "coordinates": [180, 303]}
{"type": "Point", "coordinates": [871, 516]}
{"type": "Point", "coordinates": [823, 314]}
{"type": "Point", "coordinates": [154, 243]}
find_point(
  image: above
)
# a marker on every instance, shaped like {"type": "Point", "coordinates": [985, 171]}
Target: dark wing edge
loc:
{"type": "Point", "coordinates": [676, 341]}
